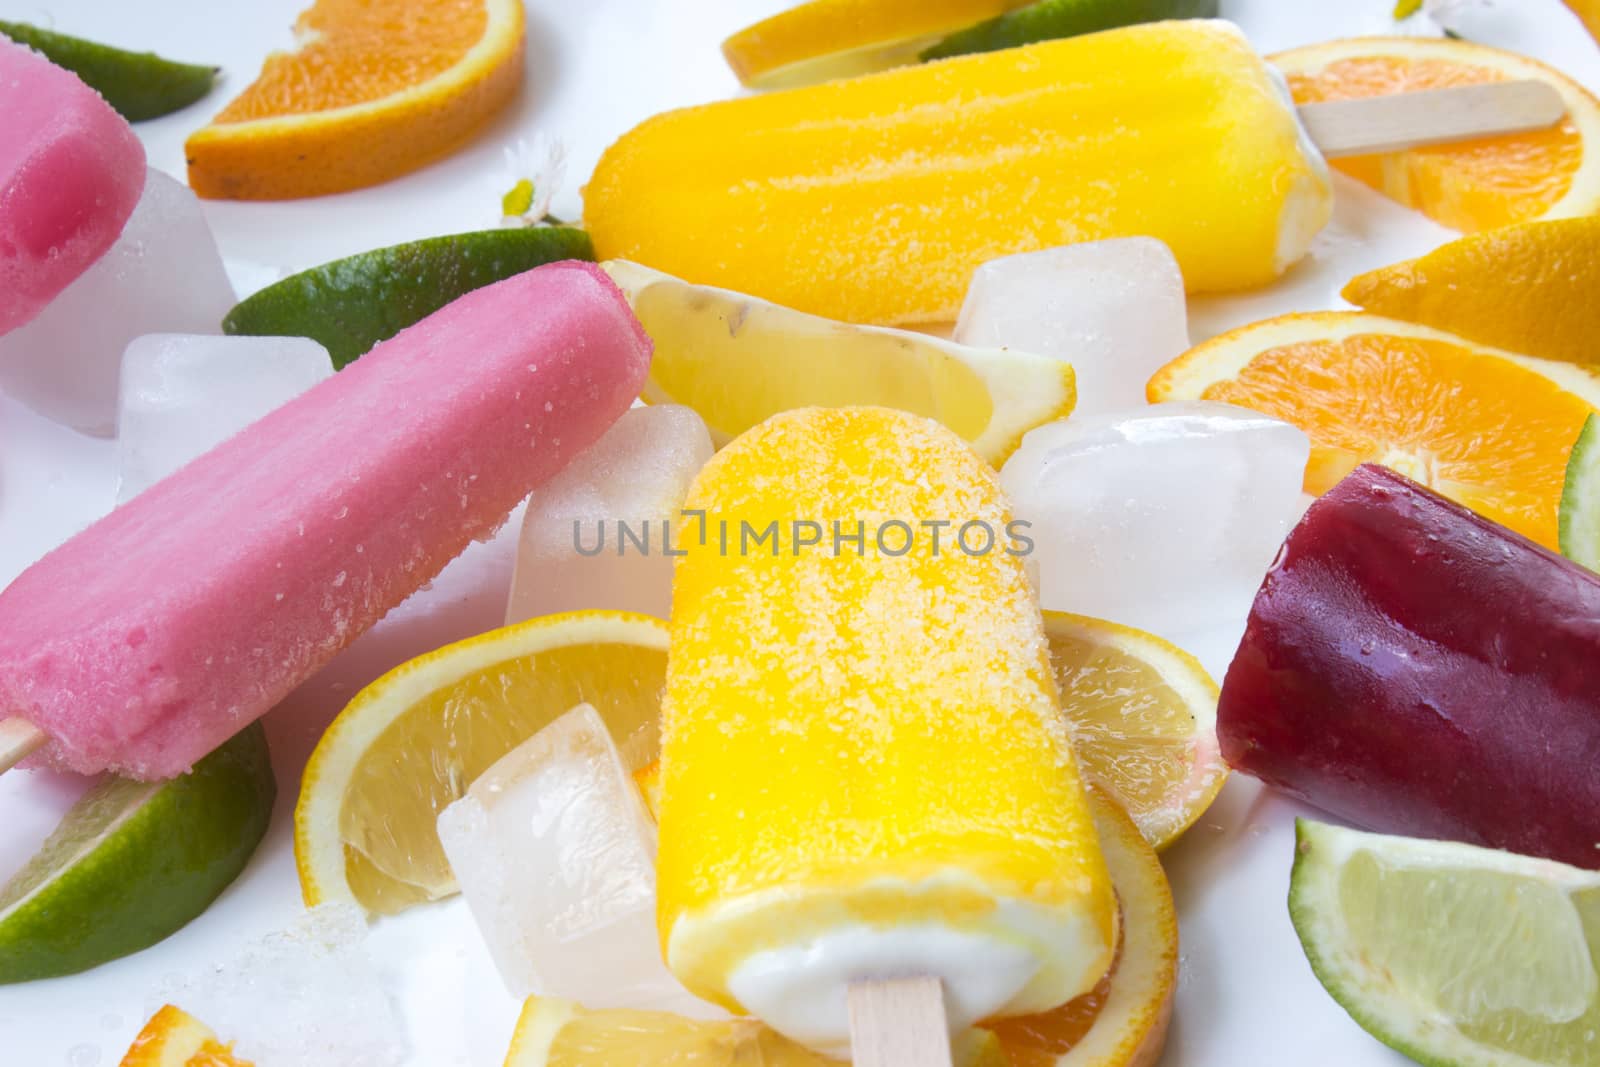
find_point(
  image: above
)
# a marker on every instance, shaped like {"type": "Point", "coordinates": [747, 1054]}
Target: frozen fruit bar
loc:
{"type": "Point", "coordinates": [874, 199]}
{"type": "Point", "coordinates": [1416, 669]}
{"type": "Point", "coordinates": [70, 172]}
{"type": "Point", "coordinates": [865, 772]}
{"type": "Point", "coordinates": [154, 635]}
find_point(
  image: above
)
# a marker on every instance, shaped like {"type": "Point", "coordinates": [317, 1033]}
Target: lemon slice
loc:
{"type": "Point", "coordinates": [826, 39]}
{"type": "Point", "coordinates": [1449, 953]}
{"type": "Point", "coordinates": [737, 360]}
{"type": "Point", "coordinates": [1143, 714]}
{"type": "Point", "coordinates": [410, 743]}
{"type": "Point", "coordinates": [1521, 288]}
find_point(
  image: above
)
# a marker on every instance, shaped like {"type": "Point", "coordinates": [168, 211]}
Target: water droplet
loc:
{"type": "Point", "coordinates": [84, 1055]}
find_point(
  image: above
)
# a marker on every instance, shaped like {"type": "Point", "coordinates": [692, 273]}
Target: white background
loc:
{"type": "Point", "coordinates": [595, 67]}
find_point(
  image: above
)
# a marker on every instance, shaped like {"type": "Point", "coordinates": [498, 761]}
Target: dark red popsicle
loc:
{"type": "Point", "coordinates": [1416, 669]}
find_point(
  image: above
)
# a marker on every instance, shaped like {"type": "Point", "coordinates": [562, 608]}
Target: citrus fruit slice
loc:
{"type": "Point", "coordinates": [1580, 499]}
{"type": "Point", "coordinates": [1527, 288]}
{"type": "Point", "coordinates": [410, 743]}
{"type": "Point", "coordinates": [140, 85]}
{"type": "Point", "coordinates": [1588, 12]}
{"type": "Point", "coordinates": [351, 304]}
{"type": "Point", "coordinates": [827, 39]}
{"type": "Point", "coordinates": [371, 92]}
{"type": "Point", "coordinates": [1143, 715]}
{"type": "Point", "coordinates": [174, 1038]}
{"type": "Point", "coordinates": [738, 359]}
{"type": "Point", "coordinates": [1049, 19]}
{"type": "Point", "coordinates": [1469, 186]}
{"type": "Point", "coordinates": [132, 862]}
{"type": "Point", "coordinates": [1450, 953]}
{"type": "Point", "coordinates": [559, 1033]}
{"type": "Point", "coordinates": [1122, 1022]}
{"type": "Point", "coordinates": [1487, 428]}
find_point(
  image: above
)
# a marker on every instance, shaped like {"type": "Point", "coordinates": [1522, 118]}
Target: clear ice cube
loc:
{"type": "Point", "coordinates": [163, 275]}
{"type": "Point", "coordinates": [1113, 309]}
{"type": "Point", "coordinates": [596, 536]}
{"type": "Point", "coordinates": [555, 852]}
{"type": "Point", "coordinates": [183, 394]}
{"type": "Point", "coordinates": [1165, 518]}
{"type": "Point", "coordinates": [308, 996]}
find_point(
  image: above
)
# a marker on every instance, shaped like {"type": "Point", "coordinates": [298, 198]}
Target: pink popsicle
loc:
{"type": "Point", "coordinates": [157, 633]}
{"type": "Point", "coordinates": [71, 171]}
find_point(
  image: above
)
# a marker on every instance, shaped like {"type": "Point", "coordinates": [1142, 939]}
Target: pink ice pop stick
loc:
{"type": "Point", "coordinates": [157, 633]}
{"type": "Point", "coordinates": [71, 171]}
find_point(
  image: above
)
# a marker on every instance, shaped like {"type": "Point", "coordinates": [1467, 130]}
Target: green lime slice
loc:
{"type": "Point", "coordinates": [132, 862]}
{"type": "Point", "coordinates": [1049, 19]}
{"type": "Point", "coordinates": [140, 85]}
{"type": "Point", "coordinates": [1580, 499]}
{"type": "Point", "coordinates": [351, 304]}
{"type": "Point", "coordinates": [1456, 956]}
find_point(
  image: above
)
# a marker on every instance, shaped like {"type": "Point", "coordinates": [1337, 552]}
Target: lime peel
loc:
{"type": "Point", "coordinates": [139, 85]}
{"type": "Point", "coordinates": [133, 862]}
{"type": "Point", "coordinates": [1449, 953]}
{"type": "Point", "coordinates": [1580, 499]}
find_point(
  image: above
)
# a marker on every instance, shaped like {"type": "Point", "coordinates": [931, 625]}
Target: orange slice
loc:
{"type": "Point", "coordinates": [826, 39]}
{"type": "Point", "coordinates": [174, 1038]}
{"type": "Point", "coordinates": [1475, 185]}
{"type": "Point", "coordinates": [372, 91]}
{"type": "Point", "coordinates": [1122, 1022]}
{"type": "Point", "coordinates": [1589, 12]}
{"type": "Point", "coordinates": [1527, 288]}
{"type": "Point", "coordinates": [1485, 427]}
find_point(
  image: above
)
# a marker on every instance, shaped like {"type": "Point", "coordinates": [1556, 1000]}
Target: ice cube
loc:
{"type": "Point", "coordinates": [1165, 518]}
{"type": "Point", "coordinates": [163, 275]}
{"type": "Point", "coordinates": [596, 536]}
{"type": "Point", "coordinates": [555, 852]}
{"type": "Point", "coordinates": [184, 394]}
{"type": "Point", "coordinates": [308, 996]}
{"type": "Point", "coordinates": [1113, 309]}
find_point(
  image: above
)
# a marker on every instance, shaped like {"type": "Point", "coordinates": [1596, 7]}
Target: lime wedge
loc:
{"type": "Point", "coordinates": [1580, 499]}
{"type": "Point", "coordinates": [351, 304]}
{"type": "Point", "coordinates": [1049, 19]}
{"type": "Point", "coordinates": [132, 862]}
{"type": "Point", "coordinates": [140, 85]}
{"type": "Point", "coordinates": [1452, 954]}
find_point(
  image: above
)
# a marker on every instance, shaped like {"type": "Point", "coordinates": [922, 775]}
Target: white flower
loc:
{"type": "Point", "coordinates": [529, 179]}
{"type": "Point", "coordinates": [1435, 17]}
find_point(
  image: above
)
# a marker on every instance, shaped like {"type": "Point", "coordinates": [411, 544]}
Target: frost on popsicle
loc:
{"type": "Point", "coordinates": [183, 394]}
{"type": "Point", "coordinates": [163, 275]}
{"type": "Point", "coordinates": [595, 535]}
{"type": "Point", "coordinates": [555, 853]}
{"type": "Point", "coordinates": [1113, 309]}
{"type": "Point", "coordinates": [1163, 518]}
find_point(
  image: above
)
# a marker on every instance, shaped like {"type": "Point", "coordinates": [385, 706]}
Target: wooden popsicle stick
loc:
{"type": "Point", "coordinates": [19, 738]}
{"type": "Point", "coordinates": [1435, 116]}
{"type": "Point", "coordinates": [899, 1022]}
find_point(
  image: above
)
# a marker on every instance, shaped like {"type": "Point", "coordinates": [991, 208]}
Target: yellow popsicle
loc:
{"type": "Point", "coordinates": [874, 199]}
{"type": "Point", "coordinates": [865, 770]}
